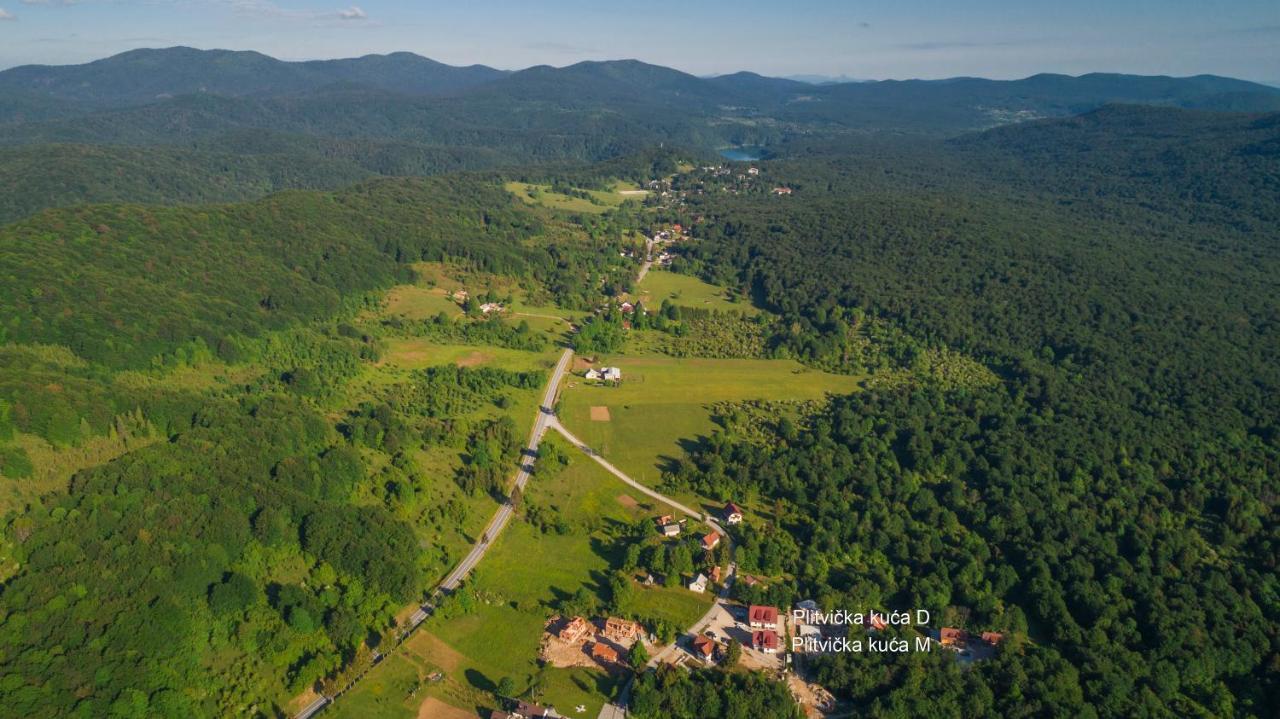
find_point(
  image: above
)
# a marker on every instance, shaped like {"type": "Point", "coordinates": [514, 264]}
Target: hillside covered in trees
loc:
{"type": "Point", "coordinates": [1112, 498]}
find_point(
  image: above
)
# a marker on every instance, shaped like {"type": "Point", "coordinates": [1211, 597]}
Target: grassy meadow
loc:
{"type": "Point", "coordinates": [664, 401]}
{"type": "Point", "coordinates": [687, 291]}
{"type": "Point", "coordinates": [543, 196]}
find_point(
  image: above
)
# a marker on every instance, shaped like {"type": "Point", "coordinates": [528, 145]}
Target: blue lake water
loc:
{"type": "Point", "coordinates": [742, 154]}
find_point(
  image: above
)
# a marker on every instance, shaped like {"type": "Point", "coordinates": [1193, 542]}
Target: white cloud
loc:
{"type": "Point", "coordinates": [6, 15]}
{"type": "Point", "coordinates": [353, 13]}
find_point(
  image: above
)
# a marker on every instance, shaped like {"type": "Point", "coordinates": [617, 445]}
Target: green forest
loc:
{"type": "Point", "coordinates": [1111, 499]}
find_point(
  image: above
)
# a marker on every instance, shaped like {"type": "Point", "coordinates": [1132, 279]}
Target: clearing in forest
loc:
{"type": "Point", "coordinates": [687, 291]}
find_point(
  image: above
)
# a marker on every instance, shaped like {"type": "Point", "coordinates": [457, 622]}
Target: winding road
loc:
{"type": "Point", "coordinates": [545, 420]}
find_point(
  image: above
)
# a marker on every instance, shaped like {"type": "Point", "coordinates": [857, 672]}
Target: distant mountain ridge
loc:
{"type": "Point", "coordinates": [218, 124]}
{"type": "Point", "coordinates": [143, 76]}
{"type": "Point", "coordinates": [138, 77]}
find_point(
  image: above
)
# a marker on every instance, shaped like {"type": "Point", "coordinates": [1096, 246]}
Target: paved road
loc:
{"type": "Point", "coordinates": [699, 625]}
{"type": "Point", "coordinates": [541, 423]}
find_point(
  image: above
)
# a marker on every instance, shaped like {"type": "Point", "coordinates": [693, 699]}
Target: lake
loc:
{"type": "Point", "coordinates": [743, 154]}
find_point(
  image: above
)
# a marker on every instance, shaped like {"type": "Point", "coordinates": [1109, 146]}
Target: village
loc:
{"type": "Point", "coordinates": [734, 635]}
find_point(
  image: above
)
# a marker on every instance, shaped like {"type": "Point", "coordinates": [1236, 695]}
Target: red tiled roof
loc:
{"type": "Point", "coordinates": [604, 651]}
{"type": "Point", "coordinates": [762, 615]}
{"type": "Point", "coordinates": [704, 645]}
{"type": "Point", "coordinates": [764, 639]}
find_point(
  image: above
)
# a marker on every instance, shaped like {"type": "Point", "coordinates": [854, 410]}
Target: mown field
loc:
{"type": "Point", "coordinates": [543, 195]}
{"type": "Point", "coordinates": [665, 401]}
{"type": "Point", "coordinates": [687, 291]}
{"type": "Point", "coordinates": [500, 636]}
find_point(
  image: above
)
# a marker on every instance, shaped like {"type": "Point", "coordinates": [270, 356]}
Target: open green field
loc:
{"type": "Point", "coordinates": [543, 196]}
{"type": "Point", "coordinates": [663, 401]}
{"type": "Point", "coordinates": [687, 291]}
{"type": "Point", "coordinates": [500, 637]}
{"type": "Point", "coordinates": [419, 352]}
{"type": "Point", "coordinates": [415, 302]}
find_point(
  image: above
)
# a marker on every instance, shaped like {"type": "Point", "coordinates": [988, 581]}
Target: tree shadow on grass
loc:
{"type": "Point", "coordinates": [478, 680]}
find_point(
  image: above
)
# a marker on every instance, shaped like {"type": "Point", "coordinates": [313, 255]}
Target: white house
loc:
{"type": "Point", "coordinates": [732, 513]}
{"type": "Point", "coordinates": [593, 374]}
{"type": "Point", "coordinates": [699, 584]}
{"type": "Point", "coordinates": [490, 307]}
{"type": "Point", "coordinates": [611, 373]}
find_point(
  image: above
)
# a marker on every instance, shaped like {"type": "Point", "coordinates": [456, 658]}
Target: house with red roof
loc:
{"type": "Point", "coordinates": [765, 641]}
{"type": "Point", "coordinates": [761, 617]}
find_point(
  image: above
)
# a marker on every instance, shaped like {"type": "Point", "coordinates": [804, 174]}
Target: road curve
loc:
{"type": "Point", "coordinates": [733, 566]}
{"type": "Point", "coordinates": [555, 424]}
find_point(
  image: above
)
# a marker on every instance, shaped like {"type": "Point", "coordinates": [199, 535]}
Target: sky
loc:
{"type": "Point", "coordinates": [865, 40]}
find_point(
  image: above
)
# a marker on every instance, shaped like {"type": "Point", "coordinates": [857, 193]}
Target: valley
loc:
{"type": "Point", "coordinates": [386, 388]}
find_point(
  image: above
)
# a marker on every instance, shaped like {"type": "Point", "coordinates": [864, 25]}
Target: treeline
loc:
{"type": "Point", "coordinates": [710, 694]}
{"type": "Point", "coordinates": [491, 330]}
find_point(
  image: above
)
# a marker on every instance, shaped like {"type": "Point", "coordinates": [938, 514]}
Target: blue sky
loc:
{"type": "Point", "coordinates": [907, 38]}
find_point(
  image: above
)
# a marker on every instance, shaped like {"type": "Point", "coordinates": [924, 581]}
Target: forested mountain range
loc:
{"type": "Point", "coordinates": [159, 78]}
{"type": "Point", "coordinates": [139, 77]}
{"type": "Point", "coordinates": [219, 125]}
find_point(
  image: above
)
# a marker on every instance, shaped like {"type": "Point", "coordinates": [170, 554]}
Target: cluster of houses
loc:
{"type": "Point", "coordinates": [669, 527]}
{"type": "Point", "coordinates": [962, 641]}
{"type": "Point", "coordinates": [704, 580]}
{"type": "Point", "coordinates": [603, 647]}
{"type": "Point", "coordinates": [461, 297]}
{"type": "Point", "coordinates": [604, 374]}
{"type": "Point", "coordinates": [763, 622]}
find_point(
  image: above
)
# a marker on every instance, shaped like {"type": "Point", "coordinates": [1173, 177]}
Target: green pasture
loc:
{"type": "Point", "coordinates": [664, 401]}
